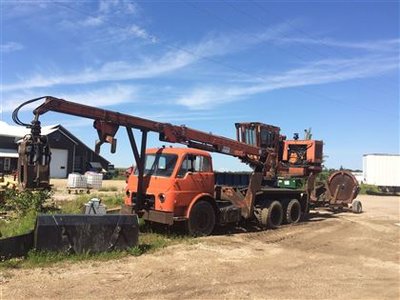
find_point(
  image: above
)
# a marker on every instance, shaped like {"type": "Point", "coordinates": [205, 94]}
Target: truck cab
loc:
{"type": "Point", "coordinates": [174, 180]}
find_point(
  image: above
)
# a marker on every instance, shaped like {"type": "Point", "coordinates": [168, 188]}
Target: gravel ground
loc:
{"type": "Point", "coordinates": [332, 256]}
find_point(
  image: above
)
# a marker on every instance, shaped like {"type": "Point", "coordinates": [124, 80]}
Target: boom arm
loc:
{"type": "Point", "coordinates": [107, 123]}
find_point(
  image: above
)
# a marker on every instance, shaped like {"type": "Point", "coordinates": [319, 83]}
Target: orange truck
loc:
{"type": "Point", "coordinates": [170, 185]}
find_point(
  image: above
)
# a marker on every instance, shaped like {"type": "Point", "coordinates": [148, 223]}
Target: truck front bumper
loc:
{"type": "Point", "coordinates": [152, 215]}
{"type": "Point", "coordinates": [157, 216]}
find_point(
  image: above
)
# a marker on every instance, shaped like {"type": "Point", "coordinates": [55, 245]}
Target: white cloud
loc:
{"type": "Point", "coordinates": [109, 10]}
{"type": "Point", "coordinates": [18, 9]}
{"type": "Point", "coordinates": [175, 59]}
{"type": "Point", "coordinates": [380, 45]}
{"type": "Point", "coordinates": [112, 95]}
{"type": "Point", "coordinates": [10, 47]}
{"type": "Point", "coordinates": [111, 71]}
{"type": "Point", "coordinates": [174, 117]}
{"type": "Point", "coordinates": [319, 72]}
{"type": "Point", "coordinates": [108, 96]}
{"type": "Point", "coordinates": [139, 32]}
{"type": "Point", "coordinates": [202, 97]}
{"type": "Point", "coordinates": [92, 21]}
{"type": "Point", "coordinates": [117, 7]}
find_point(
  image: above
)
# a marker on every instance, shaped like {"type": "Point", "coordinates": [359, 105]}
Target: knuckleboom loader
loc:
{"type": "Point", "coordinates": [170, 185]}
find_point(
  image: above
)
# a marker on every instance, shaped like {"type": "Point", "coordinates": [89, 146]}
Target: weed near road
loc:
{"type": "Point", "coordinates": [149, 241]}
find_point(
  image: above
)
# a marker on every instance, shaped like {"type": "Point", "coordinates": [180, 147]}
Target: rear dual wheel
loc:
{"type": "Point", "coordinates": [272, 216]}
{"type": "Point", "coordinates": [293, 212]}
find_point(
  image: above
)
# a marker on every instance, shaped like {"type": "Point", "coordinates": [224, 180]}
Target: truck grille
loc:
{"type": "Point", "coordinates": [148, 202]}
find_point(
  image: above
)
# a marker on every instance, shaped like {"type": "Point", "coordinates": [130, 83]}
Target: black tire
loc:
{"type": "Point", "coordinates": [305, 215]}
{"type": "Point", "coordinates": [201, 219]}
{"type": "Point", "coordinates": [263, 217]}
{"type": "Point", "coordinates": [293, 212]}
{"type": "Point", "coordinates": [356, 207]}
{"type": "Point", "coordinates": [274, 215]}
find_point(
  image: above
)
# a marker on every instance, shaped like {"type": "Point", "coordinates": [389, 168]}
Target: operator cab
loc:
{"type": "Point", "coordinates": [258, 134]}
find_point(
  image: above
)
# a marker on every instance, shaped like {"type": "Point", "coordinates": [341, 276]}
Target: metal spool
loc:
{"type": "Point", "coordinates": [343, 187]}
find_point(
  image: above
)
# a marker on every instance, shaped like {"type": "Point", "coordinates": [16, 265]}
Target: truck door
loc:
{"type": "Point", "coordinates": [194, 177]}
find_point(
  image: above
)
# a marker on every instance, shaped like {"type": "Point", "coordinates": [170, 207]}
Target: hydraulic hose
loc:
{"type": "Point", "coordinates": [16, 111]}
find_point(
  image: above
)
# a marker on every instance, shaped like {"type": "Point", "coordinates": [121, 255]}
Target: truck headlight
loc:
{"type": "Point", "coordinates": [161, 197]}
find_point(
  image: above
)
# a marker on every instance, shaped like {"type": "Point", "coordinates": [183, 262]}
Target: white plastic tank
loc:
{"type": "Point", "coordinates": [76, 181]}
{"type": "Point", "coordinates": [94, 180]}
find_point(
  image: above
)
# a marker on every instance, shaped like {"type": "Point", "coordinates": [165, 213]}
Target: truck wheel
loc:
{"type": "Point", "coordinates": [356, 207]}
{"type": "Point", "coordinates": [305, 215]}
{"type": "Point", "coordinates": [274, 215]}
{"type": "Point", "coordinates": [201, 219]}
{"type": "Point", "coordinates": [293, 211]}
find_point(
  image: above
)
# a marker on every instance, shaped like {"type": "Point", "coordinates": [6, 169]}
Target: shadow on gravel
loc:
{"type": "Point", "coordinates": [179, 230]}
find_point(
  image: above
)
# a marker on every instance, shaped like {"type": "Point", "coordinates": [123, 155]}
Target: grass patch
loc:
{"type": "Point", "coordinates": [75, 206]}
{"type": "Point", "coordinates": [149, 242]}
{"type": "Point", "coordinates": [368, 188]}
{"type": "Point", "coordinates": [108, 189]}
{"type": "Point", "coordinates": [23, 221]}
{"type": "Point", "coordinates": [17, 226]}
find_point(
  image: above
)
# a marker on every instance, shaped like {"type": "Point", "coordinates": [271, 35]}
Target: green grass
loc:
{"type": "Point", "coordinates": [22, 223]}
{"type": "Point", "coordinates": [149, 240]}
{"type": "Point", "coordinates": [17, 226]}
{"type": "Point", "coordinates": [109, 189]}
{"type": "Point", "coordinates": [367, 188]}
{"type": "Point", "coordinates": [75, 206]}
{"type": "Point", "coordinates": [148, 243]}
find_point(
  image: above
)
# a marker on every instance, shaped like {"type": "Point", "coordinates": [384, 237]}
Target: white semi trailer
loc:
{"type": "Point", "coordinates": [382, 170]}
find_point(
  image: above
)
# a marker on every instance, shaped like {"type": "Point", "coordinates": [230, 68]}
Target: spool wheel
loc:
{"type": "Point", "coordinates": [342, 187]}
{"type": "Point", "coordinates": [356, 207]}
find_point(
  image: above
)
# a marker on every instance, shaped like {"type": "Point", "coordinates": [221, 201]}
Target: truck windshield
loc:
{"type": "Point", "coordinates": [159, 164]}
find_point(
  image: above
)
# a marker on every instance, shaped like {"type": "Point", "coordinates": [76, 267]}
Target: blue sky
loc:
{"type": "Point", "coordinates": [329, 65]}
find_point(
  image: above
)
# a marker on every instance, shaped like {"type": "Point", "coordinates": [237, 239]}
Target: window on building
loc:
{"type": "Point", "coordinates": [7, 164]}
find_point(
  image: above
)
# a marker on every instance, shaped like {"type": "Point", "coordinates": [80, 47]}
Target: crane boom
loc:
{"type": "Point", "coordinates": [107, 123]}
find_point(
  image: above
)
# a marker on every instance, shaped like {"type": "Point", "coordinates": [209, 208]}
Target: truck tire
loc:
{"type": "Point", "coordinates": [201, 219]}
{"type": "Point", "coordinates": [274, 215]}
{"type": "Point", "coordinates": [293, 212]}
{"type": "Point", "coordinates": [356, 207]}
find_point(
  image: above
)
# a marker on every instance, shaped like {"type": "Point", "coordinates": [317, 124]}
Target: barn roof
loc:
{"type": "Point", "coordinates": [19, 131]}
{"type": "Point", "coordinates": [8, 153]}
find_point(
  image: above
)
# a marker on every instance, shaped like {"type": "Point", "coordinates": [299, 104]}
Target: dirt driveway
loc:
{"type": "Point", "coordinates": [331, 256]}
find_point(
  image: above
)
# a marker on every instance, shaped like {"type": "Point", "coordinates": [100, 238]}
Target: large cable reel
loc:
{"type": "Point", "coordinates": [342, 187]}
